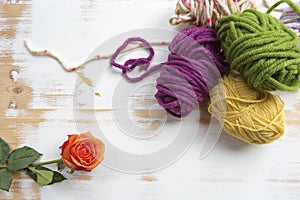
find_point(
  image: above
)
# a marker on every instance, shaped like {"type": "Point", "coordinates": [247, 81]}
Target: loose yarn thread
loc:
{"type": "Point", "coordinates": [266, 5]}
{"type": "Point", "coordinates": [255, 117]}
{"type": "Point", "coordinates": [48, 53]}
{"type": "Point", "coordinates": [290, 18]}
{"type": "Point", "coordinates": [194, 62]}
{"type": "Point", "coordinates": [262, 49]}
{"type": "Point", "coordinates": [207, 13]}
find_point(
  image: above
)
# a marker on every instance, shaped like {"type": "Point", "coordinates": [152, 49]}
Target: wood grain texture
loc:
{"type": "Point", "coordinates": [37, 109]}
{"type": "Point", "coordinates": [15, 95]}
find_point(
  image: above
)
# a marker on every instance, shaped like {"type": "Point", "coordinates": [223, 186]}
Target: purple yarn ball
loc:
{"type": "Point", "coordinates": [193, 68]}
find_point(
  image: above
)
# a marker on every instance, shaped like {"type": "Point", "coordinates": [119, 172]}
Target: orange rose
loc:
{"type": "Point", "coordinates": [82, 152]}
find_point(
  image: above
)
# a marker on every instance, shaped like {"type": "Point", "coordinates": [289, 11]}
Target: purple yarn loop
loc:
{"type": "Point", "coordinates": [130, 64]}
{"type": "Point", "coordinates": [194, 65]}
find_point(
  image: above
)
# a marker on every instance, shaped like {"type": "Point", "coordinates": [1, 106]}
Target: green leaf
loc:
{"type": "Point", "coordinates": [5, 179]}
{"type": "Point", "coordinates": [32, 174]}
{"type": "Point", "coordinates": [57, 177]}
{"type": "Point", "coordinates": [21, 158]}
{"type": "Point", "coordinates": [4, 151]}
{"type": "Point", "coordinates": [44, 177]}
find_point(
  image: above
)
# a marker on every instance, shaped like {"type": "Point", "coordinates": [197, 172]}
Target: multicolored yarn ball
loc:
{"type": "Point", "coordinates": [262, 49]}
{"type": "Point", "coordinates": [193, 66]}
{"type": "Point", "coordinates": [256, 117]}
{"type": "Point", "coordinates": [290, 18]}
{"type": "Point", "coordinates": [207, 13]}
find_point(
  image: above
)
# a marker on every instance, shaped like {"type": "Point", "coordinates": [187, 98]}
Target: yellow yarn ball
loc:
{"type": "Point", "coordinates": [256, 117]}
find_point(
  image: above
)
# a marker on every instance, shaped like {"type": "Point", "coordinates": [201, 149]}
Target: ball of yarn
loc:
{"type": "Point", "coordinates": [262, 49]}
{"type": "Point", "coordinates": [207, 12]}
{"type": "Point", "coordinates": [291, 19]}
{"type": "Point", "coordinates": [256, 117]}
{"type": "Point", "coordinates": [193, 67]}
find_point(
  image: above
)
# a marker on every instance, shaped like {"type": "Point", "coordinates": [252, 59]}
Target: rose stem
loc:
{"type": "Point", "coordinates": [45, 163]}
{"type": "Point", "coordinates": [36, 164]}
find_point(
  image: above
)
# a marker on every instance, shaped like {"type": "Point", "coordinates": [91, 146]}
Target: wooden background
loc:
{"type": "Point", "coordinates": [36, 109]}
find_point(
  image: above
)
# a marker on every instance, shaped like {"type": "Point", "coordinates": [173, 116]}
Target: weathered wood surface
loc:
{"type": "Point", "coordinates": [36, 109]}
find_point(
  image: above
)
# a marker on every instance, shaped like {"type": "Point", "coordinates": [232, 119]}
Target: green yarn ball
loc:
{"type": "Point", "coordinates": [262, 49]}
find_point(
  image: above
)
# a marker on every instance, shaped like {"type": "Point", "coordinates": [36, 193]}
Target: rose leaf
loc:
{"type": "Point", "coordinates": [21, 158]}
{"type": "Point", "coordinates": [5, 179]}
{"type": "Point", "coordinates": [4, 151]}
{"type": "Point", "coordinates": [44, 177]}
{"type": "Point", "coordinates": [57, 177]}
